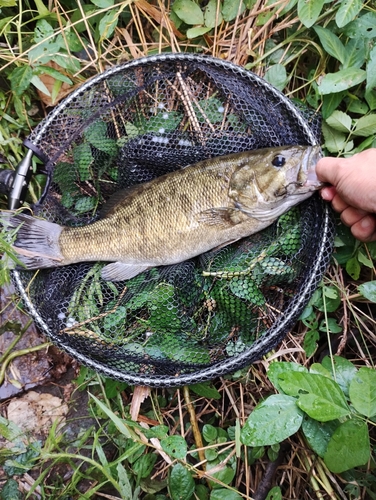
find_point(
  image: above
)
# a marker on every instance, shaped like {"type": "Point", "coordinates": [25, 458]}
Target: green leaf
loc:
{"type": "Point", "coordinates": [107, 24]}
{"type": "Point", "coordinates": [318, 434]}
{"type": "Point", "coordinates": [355, 54]}
{"type": "Point", "coordinates": [209, 433]}
{"type": "Point", "coordinates": [365, 126]}
{"type": "Point", "coordinates": [225, 476]}
{"type": "Point", "coordinates": [330, 103]}
{"type": "Point", "coordinates": [42, 9]}
{"type": "Point", "coordinates": [231, 8]}
{"type": "Point", "coordinates": [341, 80]}
{"type": "Point", "coordinates": [331, 43]}
{"type": "Point", "coordinates": [371, 70]}
{"type": "Point", "coordinates": [20, 79]}
{"type": "Point", "coordinates": [123, 481]}
{"type": "Point", "coordinates": [52, 72]}
{"type": "Point", "coordinates": [273, 420]}
{"type": "Point", "coordinates": [362, 27]}
{"type": "Point", "coordinates": [368, 290]}
{"type": "Point", "coordinates": [275, 493]}
{"type": "Point", "coordinates": [330, 326]}
{"type": "Point", "coordinates": [42, 30]}
{"type": "Point", "coordinates": [353, 268]}
{"type": "Point", "coordinates": [119, 424]}
{"type": "Point", "coordinates": [309, 11]}
{"type": "Point", "coordinates": [347, 11]}
{"type": "Point", "coordinates": [103, 4]}
{"type": "Point", "coordinates": [175, 446]}
{"type": "Point", "coordinates": [37, 82]}
{"type": "Point", "coordinates": [334, 141]}
{"type": "Point", "coordinates": [206, 390]}
{"type": "Point", "coordinates": [278, 367]}
{"type": "Point", "coordinates": [320, 397]}
{"type": "Point", "coordinates": [210, 15]}
{"type": "Point", "coordinates": [197, 31]}
{"type": "Point", "coordinates": [310, 342]}
{"type": "Point", "coordinates": [188, 11]}
{"type": "Point", "coordinates": [181, 483]}
{"type": "Point", "coordinates": [10, 489]}
{"type": "Point", "coordinates": [362, 391]}
{"type": "Point", "coordinates": [349, 447]}
{"type": "Point", "coordinates": [363, 259]}
{"type": "Point", "coordinates": [339, 121]}
{"type": "Point", "coordinates": [277, 76]}
{"type": "Point", "coordinates": [83, 159]}
{"type": "Point", "coordinates": [225, 494]}
{"type": "Point", "coordinates": [8, 3]}
{"type": "Point", "coordinates": [343, 371]}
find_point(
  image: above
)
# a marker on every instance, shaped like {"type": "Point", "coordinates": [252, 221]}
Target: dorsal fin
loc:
{"type": "Point", "coordinates": [119, 197]}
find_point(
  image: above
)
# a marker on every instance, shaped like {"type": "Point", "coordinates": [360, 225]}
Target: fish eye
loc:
{"type": "Point", "coordinates": [278, 161]}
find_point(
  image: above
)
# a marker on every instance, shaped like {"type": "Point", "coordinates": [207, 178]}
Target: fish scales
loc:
{"type": "Point", "coordinates": [179, 215]}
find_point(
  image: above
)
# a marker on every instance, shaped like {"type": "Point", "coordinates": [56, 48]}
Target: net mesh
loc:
{"type": "Point", "coordinates": [204, 317]}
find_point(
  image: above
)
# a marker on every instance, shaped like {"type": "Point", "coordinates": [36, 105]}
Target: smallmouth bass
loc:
{"type": "Point", "coordinates": [179, 215]}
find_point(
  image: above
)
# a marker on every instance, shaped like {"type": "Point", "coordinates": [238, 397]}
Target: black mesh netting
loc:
{"type": "Point", "coordinates": [204, 317]}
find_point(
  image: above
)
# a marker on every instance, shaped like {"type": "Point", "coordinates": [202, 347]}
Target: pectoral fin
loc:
{"type": "Point", "coordinates": [222, 217]}
{"type": "Point", "coordinates": [118, 271]}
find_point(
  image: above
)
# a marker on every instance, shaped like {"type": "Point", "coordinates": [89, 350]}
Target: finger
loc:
{"type": "Point", "coordinates": [351, 216]}
{"type": "Point", "coordinates": [365, 229]}
{"type": "Point", "coordinates": [328, 193]}
{"type": "Point", "coordinates": [326, 169]}
{"type": "Point", "coordinates": [338, 204]}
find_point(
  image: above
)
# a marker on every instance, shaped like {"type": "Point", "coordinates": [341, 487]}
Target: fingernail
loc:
{"type": "Point", "coordinates": [326, 194]}
{"type": "Point", "coordinates": [366, 222]}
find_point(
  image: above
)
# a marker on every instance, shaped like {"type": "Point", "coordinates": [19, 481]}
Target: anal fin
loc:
{"type": "Point", "coordinates": [119, 271]}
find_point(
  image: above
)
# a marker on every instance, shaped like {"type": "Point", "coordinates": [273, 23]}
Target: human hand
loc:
{"type": "Point", "coordinates": [352, 191]}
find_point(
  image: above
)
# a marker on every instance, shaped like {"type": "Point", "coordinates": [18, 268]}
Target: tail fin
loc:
{"type": "Point", "coordinates": [37, 241]}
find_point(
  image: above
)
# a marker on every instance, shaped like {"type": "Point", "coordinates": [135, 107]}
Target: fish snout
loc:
{"type": "Point", "coordinates": [308, 172]}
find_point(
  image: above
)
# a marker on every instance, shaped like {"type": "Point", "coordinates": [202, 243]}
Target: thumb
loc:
{"type": "Point", "coordinates": [327, 170]}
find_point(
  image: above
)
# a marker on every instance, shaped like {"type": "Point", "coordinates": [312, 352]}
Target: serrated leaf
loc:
{"type": "Point", "coordinates": [320, 397]}
{"type": "Point", "coordinates": [175, 446]}
{"type": "Point", "coordinates": [20, 79]}
{"type": "Point", "coordinates": [362, 391]}
{"type": "Point", "coordinates": [212, 14]}
{"type": "Point", "coordinates": [273, 420]}
{"type": "Point", "coordinates": [368, 290]}
{"type": "Point", "coordinates": [365, 126]}
{"type": "Point", "coordinates": [347, 11]}
{"type": "Point", "coordinates": [349, 447]}
{"type": "Point", "coordinates": [231, 8]}
{"type": "Point", "coordinates": [331, 43]}
{"type": "Point", "coordinates": [334, 141]}
{"type": "Point", "coordinates": [341, 80]}
{"type": "Point", "coordinates": [309, 11]}
{"type": "Point", "coordinates": [188, 11]}
{"type": "Point", "coordinates": [339, 121]}
{"type": "Point", "coordinates": [276, 75]}
{"type": "Point", "coordinates": [181, 483]}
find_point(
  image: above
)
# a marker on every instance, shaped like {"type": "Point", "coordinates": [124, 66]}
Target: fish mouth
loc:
{"type": "Point", "coordinates": [310, 160]}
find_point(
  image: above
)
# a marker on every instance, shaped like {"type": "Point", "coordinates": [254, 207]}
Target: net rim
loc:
{"type": "Point", "coordinates": [274, 334]}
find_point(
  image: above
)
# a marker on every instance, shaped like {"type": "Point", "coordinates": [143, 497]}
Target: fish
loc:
{"type": "Point", "coordinates": [177, 216]}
